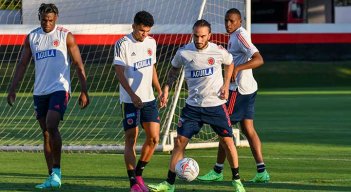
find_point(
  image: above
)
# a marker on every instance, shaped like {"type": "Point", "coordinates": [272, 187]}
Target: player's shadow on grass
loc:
{"type": "Point", "coordinates": [69, 183]}
{"type": "Point", "coordinates": [296, 186]}
{"type": "Point", "coordinates": [196, 186]}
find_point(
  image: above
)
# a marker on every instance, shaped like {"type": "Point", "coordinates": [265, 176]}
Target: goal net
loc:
{"type": "Point", "coordinates": [96, 25]}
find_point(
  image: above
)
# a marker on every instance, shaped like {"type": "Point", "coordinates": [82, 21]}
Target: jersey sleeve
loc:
{"type": "Point", "coordinates": [154, 47]}
{"type": "Point", "coordinates": [120, 53]}
{"type": "Point", "coordinates": [246, 45]}
{"type": "Point", "coordinates": [177, 61]}
{"type": "Point", "coordinates": [227, 57]}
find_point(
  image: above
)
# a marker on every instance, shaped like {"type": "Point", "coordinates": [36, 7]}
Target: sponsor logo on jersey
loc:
{"type": "Point", "coordinates": [45, 54]}
{"type": "Point", "coordinates": [149, 51]}
{"type": "Point", "coordinates": [133, 54]}
{"type": "Point", "coordinates": [210, 61]}
{"type": "Point", "coordinates": [56, 43]}
{"type": "Point", "coordinates": [142, 64]}
{"type": "Point", "coordinates": [202, 72]}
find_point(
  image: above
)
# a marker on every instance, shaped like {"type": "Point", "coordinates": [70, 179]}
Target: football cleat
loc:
{"type": "Point", "coordinates": [162, 187]}
{"type": "Point", "coordinates": [211, 176]}
{"type": "Point", "coordinates": [261, 177]}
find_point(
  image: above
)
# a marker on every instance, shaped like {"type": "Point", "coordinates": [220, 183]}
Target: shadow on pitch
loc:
{"type": "Point", "coordinates": [86, 184]}
{"type": "Point", "coordinates": [296, 186]}
{"type": "Point", "coordinates": [70, 183]}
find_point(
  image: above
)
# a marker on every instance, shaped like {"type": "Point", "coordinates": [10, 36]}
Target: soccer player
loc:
{"type": "Point", "coordinates": [51, 47]}
{"type": "Point", "coordinates": [134, 61]}
{"type": "Point", "coordinates": [242, 95]}
{"type": "Point", "coordinates": [202, 62]}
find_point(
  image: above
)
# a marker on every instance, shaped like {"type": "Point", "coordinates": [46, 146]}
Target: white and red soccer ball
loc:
{"type": "Point", "coordinates": [187, 169]}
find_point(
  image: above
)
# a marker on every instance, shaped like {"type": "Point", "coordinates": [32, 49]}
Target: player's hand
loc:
{"type": "Point", "coordinates": [223, 93]}
{"type": "Point", "coordinates": [235, 73]}
{"type": "Point", "coordinates": [137, 102]}
{"type": "Point", "coordinates": [11, 98]}
{"type": "Point", "coordinates": [163, 99]}
{"type": "Point", "coordinates": [83, 100]}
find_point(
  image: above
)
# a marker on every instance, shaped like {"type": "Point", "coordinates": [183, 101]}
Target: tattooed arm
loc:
{"type": "Point", "coordinates": [173, 75]}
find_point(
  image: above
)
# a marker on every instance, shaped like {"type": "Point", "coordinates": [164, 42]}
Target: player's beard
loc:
{"type": "Point", "coordinates": [205, 44]}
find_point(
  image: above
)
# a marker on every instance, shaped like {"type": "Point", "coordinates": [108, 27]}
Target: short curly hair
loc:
{"type": "Point", "coordinates": [145, 18]}
{"type": "Point", "coordinates": [234, 11]}
{"type": "Point", "coordinates": [47, 8]}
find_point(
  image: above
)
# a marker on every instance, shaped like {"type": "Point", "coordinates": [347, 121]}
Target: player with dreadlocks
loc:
{"type": "Point", "coordinates": [52, 48]}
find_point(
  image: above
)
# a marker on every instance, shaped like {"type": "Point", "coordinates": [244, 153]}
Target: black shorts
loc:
{"type": "Point", "coordinates": [240, 106]}
{"type": "Point", "coordinates": [56, 101]}
{"type": "Point", "coordinates": [134, 116]}
{"type": "Point", "coordinates": [193, 118]}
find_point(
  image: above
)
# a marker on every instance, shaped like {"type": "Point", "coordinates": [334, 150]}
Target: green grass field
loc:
{"type": "Point", "coordinates": [302, 116]}
{"type": "Point", "coordinates": [306, 143]}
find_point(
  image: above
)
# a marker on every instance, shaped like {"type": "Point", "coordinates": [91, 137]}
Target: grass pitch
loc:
{"type": "Point", "coordinates": [306, 145]}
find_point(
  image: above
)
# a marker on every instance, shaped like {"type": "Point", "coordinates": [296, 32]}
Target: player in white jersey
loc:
{"type": "Point", "coordinates": [134, 61]}
{"type": "Point", "coordinates": [202, 62]}
{"type": "Point", "coordinates": [242, 95]}
{"type": "Point", "coordinates": [50, 47]}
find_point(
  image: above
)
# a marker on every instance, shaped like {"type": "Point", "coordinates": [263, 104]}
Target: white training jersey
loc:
{"type": "Point", "coordinates": [203, 73]}
{"type": "Point", "coordinates": [52, 64]}
{"type": "Point", "coordinates": [242, 49]}
{"type": "Point", "coordinates": [138, 59]}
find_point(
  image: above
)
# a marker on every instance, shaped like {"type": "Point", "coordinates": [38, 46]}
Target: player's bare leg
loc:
{"type": "Point", "coordinates": [52, 149]}
{"type": "Point", "coordinates": [178, 151]}
{"type": "Point", "coordinates": [46, 144]}
{"type": "Point", "coordinates": [130, 155]}
{"type": "Point", "coordinates": [232, 157]}
{"type": "Point", "coordinates": [52, 122]}
{"type": "Point", "coordinates": [177, 154]}
{"type": "Point", "coordinates": [247, 126]}
{"type": "Point", "coordinates": [152, 131]}
{"type": "Point", "coordinates": [129, 151]}
{"type": "Point", "coordinates": [220, 154]}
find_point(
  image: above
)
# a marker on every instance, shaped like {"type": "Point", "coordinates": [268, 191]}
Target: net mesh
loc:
{"type": "Point", "coordinates": [96, 25]}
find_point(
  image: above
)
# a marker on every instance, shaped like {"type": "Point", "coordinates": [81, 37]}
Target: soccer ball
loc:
{"type": "Point", "coordinates": [187, 169]}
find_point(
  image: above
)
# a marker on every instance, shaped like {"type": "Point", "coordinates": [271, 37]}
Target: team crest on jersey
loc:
{"type": "Point", "coordinates": [149, 51]}
{"type": "Point", "coordinates": [210, 60]}
{"type": "Point", "coordinates": [56, 43]}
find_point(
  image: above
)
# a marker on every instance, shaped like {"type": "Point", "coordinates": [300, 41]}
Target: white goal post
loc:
{"type": "Point", "coordinates": [96, 25]}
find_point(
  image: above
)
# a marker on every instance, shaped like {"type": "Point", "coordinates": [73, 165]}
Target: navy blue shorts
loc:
{"type": "Point", "coordinates": [241, 107]}
{"type": "Point", "coordinates": [193, 118]}
{"type": "Point", "coordinates": [134, 116]}
{"type": "Point", "coordinates": [56, 101]}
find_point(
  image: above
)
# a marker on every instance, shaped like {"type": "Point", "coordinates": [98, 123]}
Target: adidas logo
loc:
{"type": "Point", "coordinates": [133, 54]}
